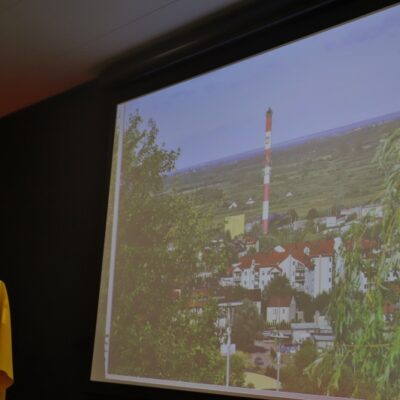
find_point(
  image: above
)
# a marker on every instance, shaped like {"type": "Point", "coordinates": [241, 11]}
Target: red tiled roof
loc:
{"type": "Point", "coordinates": [324, 247]}
{"type": "Point", "coordinates": [249, 240]}
{"type": "Point", "coordinates": [366, 244]}
{"type": "Point", "coordinates": [394, 286]}
{"type": "Point", "coordinates": [175, 294]}
{"type": "Point", "coordinates": [229, 271]}
{"type": "Point", "coordinates": [273, 259]}
{"type": "Point", "coordinates": [300, 256]}
{"type": "Point", "coordinates": [201, 293]}
{"type": "Point", "coordinates": [270, 259]}
{"type": "Point", "coordinates": [367, 247]}
{"type": "Point", "coordinates": [194, 303]}
{"type": "Point", "coordinates": [279, 301]}
{"type": "Point", "coordinates": [389, 308]}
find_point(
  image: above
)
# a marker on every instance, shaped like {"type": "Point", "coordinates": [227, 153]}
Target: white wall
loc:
{"type": "Point", "coordinates": [276, 315]}
{"type": "Point", "coordinates": [323, 275]}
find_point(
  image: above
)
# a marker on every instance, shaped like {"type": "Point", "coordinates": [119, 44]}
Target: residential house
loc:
{"type": "Point", "coordinates": [281, 309]}
{"type": "Point", "coordinates": [250, 201]}
{"type": "Point", "coordinates": [321, 254]}
{"type": "Point", "coordinates": [302, 331]}
{"type": "Point", "coordinates": [198, 300]}
{"type": "Point", "coordinates": [232, 300]}
{"type": "Point", "coordinates": [389, 311]}
{"type": "Point", "coordinates": [256, 271]}
{"type": "Point", "coordinates": [349, 211]}
{"type": "Point", "coordinates": [324, 341]}
{"type": "Point", "coordinates": [372, 210]}
{"type": "Point", "coordinates": [251, 243]}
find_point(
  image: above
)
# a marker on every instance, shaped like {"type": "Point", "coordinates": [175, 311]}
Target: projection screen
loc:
{"type": "Point", "coordinates": [253, 225]}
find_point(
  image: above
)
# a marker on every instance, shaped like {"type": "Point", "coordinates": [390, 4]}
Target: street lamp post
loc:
{"type": "Point", "coordinates": [228, 349]}
{"type": "Point", "coordinates": [278, 365]}
{"type": "Point", "coordinates": [278, 351]}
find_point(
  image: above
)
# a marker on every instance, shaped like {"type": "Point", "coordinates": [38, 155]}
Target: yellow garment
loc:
{"type": "Point", "coordinates": [6, 366]}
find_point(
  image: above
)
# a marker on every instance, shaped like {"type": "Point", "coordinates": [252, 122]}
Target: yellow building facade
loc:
{"type": "Point", "coordinates": [235, 225]}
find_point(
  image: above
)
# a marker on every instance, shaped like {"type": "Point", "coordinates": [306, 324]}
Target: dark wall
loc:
{"type": "Point", "coordinates": [55, 169]}
{"type": "Point", "coordinates": [55, 177]}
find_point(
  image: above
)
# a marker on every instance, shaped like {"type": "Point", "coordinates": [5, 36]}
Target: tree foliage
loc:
{"type": "Point", "coordinates": [312, 214]}
{"type": "Point", "coordinates": [161, 241]}
{"type": "Point", "coordinates": [247, 325]}
{"type": "Point", "coordinates": [237, 368]}
{"type": "Point", "coordinates": [296, 378]}
{"type": "Point", "coordinates": [278, 286]}
{"type": "Point", "coordinates": [365, 343]}
{"type": "Point", "coordinates": [293, 376]}
{"type": "Point", "coordinates": [292, 215]}
{"type": "Point", "coordinates": [321, 302]}
{"type": "Point", "coordinates": [305, 303]}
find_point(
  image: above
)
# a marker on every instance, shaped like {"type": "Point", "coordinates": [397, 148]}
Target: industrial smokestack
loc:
{"type": "Point", "coordinates": [267, 170]}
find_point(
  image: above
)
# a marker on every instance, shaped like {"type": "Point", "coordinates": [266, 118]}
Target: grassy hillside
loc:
{"type": "Point", "coordinates": [319, 173]}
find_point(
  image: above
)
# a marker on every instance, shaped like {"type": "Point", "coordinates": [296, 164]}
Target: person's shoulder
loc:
{"type": "Point", "coordinates": [3, 290]}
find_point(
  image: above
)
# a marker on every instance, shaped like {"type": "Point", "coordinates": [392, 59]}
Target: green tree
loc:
{"type": "Point", "coordinates": [289, 377]}
{"type": "Point", "coordinates": [270, 371]}
{"type": "Point", "coordinates": [292, 215]}
{"type": "Point", "coordinates": [335, 209]}
{"type": "Point", "coordinates": [278, 286]}
{"type": "Point", "coordinates": [252, 251]}
{"type": "Point", "coordinates": [268, 242]}
{"type": "Point", "coordinates": [312, 214]}
{"type": "Point", "coordinates": [321, 303]}
{"type": "Point", "coordinates": [305, 303]}
{"type": "Point", "coordinates": [256, 230]}
{"type": "Point", "coordinates": [160, 239]}
{"type": "Point", "coordinates": [305, 356]}
{"type": "Point", "coordinates": [237, 366]}
{"type": "Point", "coordinates": [364, 342]}
{"type": "Point", "coordinates": [310, 227]}
{"type": "Point", "coordinates": [294, 377]}
{"type": "Point", "coordinates": [247, 325]}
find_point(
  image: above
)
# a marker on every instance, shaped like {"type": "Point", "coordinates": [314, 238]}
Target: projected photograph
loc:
{"type": "Point", "coordinates": [253, 226]}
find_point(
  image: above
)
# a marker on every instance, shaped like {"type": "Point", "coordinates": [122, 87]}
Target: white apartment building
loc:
{"type": "Point", "coordinates": [321, 254]}
{"type": "Point", "coordinates": [309, 267]}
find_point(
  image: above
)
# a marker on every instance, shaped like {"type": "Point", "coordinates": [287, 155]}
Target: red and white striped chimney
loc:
{"type": "Point", "coordinates": [267, 170]}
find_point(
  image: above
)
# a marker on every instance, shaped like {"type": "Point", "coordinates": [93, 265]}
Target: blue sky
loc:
{"type": "Point", "coordinates": [343, 75]}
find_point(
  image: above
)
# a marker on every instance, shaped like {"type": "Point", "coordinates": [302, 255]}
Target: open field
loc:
{"type": "Point", "coordinates": [321, 172]}
{"type": "Point", "coordinates": [261, 382]}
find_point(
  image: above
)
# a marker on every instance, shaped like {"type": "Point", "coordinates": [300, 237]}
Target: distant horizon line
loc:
{"type": "Point", "coordinates": [383, 118]}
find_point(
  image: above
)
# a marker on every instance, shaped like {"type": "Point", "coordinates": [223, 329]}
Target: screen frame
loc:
{"type": "Point", "coordinates": [253, 28]}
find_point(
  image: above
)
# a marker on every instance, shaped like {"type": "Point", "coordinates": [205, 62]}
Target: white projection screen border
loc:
{"type": "Point", "coordinates": [247, 229]}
